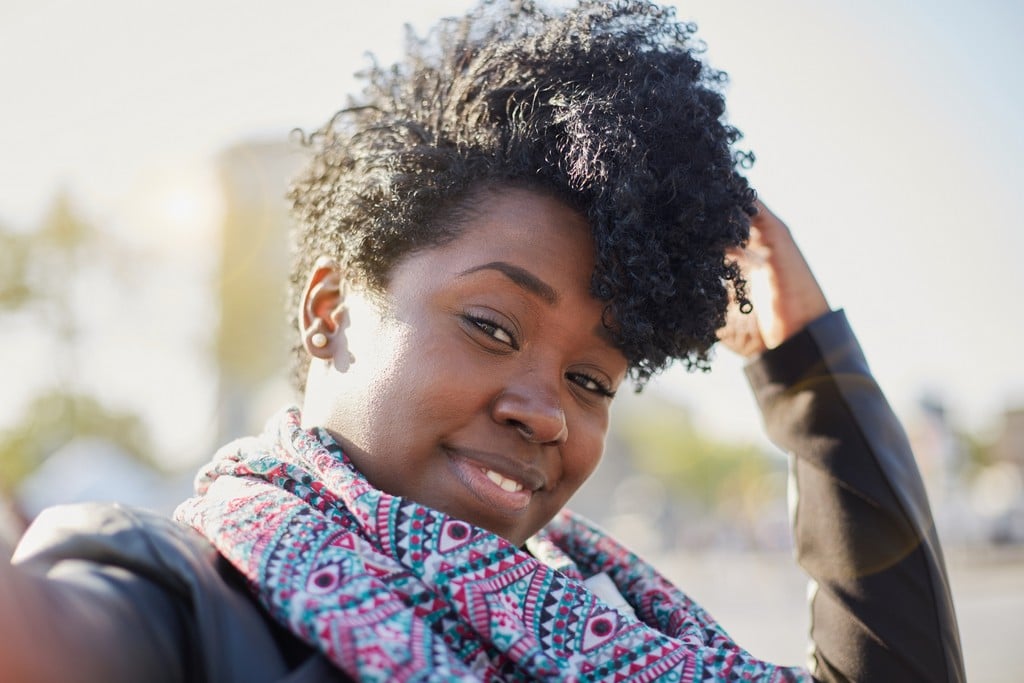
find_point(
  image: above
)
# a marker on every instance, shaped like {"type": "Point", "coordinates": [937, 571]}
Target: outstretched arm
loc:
{"type": "Point", "coordinates": [64, 617]}
{"type": "Point", "coordinates": [881, 605]}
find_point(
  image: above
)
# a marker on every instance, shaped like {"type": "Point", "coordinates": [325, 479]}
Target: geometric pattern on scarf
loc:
{"type": "Point", "coordinates": [390, 590]}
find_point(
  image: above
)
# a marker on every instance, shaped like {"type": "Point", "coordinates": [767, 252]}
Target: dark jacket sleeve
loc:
{"type": "Point", "coordinates": [145, 599]}
{"type": "Point", "coordinates": [881, 607]}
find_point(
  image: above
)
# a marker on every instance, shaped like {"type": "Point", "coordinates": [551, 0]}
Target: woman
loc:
{"type": "Point", "coordinates": [494, 237]}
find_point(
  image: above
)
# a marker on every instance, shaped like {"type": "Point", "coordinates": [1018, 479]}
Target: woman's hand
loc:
{"type": "Point", "coordinates": [780, 285]}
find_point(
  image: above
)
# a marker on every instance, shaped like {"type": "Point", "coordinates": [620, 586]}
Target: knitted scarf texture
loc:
{"type": "Point", "coordinates": [390, 590]}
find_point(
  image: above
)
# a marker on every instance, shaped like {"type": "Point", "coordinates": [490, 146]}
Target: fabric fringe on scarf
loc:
{"type": "Point", "coordinates": [390, 590]}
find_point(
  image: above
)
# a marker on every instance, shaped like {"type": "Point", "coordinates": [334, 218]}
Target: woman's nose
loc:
{"type": "Point", "coordinates": [534, 410]}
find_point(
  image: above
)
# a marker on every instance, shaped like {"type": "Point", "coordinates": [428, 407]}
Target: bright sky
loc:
{"type": "Point", "coordinates": [888, 136]}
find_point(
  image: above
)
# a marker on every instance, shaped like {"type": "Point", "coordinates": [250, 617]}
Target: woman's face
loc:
{"type": "Point", "coordinates": [481, 384]}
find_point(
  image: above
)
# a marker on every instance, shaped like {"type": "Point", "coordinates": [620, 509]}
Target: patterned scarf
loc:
{"type": "Point", "coordinates": [390, 590]}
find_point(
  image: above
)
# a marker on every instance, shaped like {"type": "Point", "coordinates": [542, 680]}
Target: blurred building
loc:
{"type": "Point", "coordinates": [1009, 445]}
{"type": "Point", "coordinates": [938, 449]}
{"type": "Point", "coordinates": [998, 491]}
{"type": "Point", "coordinates": [253, 341]}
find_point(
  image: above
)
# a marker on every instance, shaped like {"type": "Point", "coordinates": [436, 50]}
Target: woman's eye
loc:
{"type": "Point", "coordinates": [591, 384]}
{"type": "Point", "coordinates": [494, 330]}
{"type": "Point", "coordinates": [499, 334]}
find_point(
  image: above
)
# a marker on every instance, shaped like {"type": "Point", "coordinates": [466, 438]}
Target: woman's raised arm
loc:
{"type": "Point", "coordinates": [881, 607]}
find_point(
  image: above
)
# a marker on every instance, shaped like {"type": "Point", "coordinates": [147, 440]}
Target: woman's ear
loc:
{"type": "Point", "coordinates": [322, 314]}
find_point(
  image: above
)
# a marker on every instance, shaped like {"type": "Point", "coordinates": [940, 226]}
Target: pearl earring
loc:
{"type": "Point", "coordinates": [318, 340]}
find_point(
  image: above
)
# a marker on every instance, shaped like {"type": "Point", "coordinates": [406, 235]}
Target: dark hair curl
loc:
{"type": "Point", "coordinates": [605, 104]}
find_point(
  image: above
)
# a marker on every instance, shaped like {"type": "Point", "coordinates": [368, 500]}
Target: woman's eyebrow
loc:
{"type": "Point", "coordinates": [521, 277]}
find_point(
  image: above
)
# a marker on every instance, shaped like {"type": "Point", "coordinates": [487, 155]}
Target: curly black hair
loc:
{"type": "Point", "coordinates": [607, 105]}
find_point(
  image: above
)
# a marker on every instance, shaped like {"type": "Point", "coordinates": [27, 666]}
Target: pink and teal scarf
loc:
{"type": "Point", "coordinates": [390, 590]}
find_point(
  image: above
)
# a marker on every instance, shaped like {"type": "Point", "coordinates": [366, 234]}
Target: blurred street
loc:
{"type": "Point", "coordinates": [760, 599]}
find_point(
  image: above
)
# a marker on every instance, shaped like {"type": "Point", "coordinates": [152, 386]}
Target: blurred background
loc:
{"type": "Point", "coordinates": [143, 247]}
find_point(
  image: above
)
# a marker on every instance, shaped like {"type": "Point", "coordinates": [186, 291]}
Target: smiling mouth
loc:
{"type": "Point", "coordinates": [499, 493]}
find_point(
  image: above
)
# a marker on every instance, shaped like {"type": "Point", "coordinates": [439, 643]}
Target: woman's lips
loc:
{"type": "Point", "coordinates": [499, 492]}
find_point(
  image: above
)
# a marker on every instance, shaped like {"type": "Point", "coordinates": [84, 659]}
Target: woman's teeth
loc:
{"type": "Point", "coordinates": [509, 485]}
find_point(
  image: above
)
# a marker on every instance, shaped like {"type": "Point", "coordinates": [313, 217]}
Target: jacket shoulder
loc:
{"type": "Point", "coordinates": [219, 626]}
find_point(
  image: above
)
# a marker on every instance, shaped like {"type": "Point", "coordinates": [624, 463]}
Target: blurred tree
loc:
{"type": "Point", "coordinates": [14, 288]}
{"type": "Point", "coordinates": [38, 273]}
{"type": "Point", "coordinates": [728, 476]}
{"type": "Point", "coordinates": [56, 254]}
{"type": "Point", "coordinates": [53, 419]}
